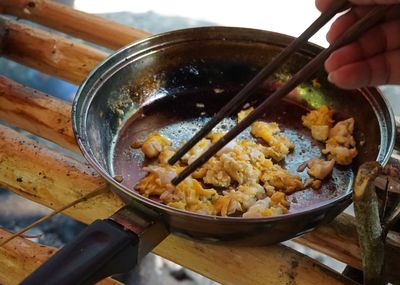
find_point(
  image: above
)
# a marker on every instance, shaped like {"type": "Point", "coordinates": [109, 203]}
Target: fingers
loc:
{"type": "Point", "coordinates": [343, 22]}
{"type": "Point", "coordinates": [381, 69]}
{"type": "Point", "coordinates": [323, 5]}
{"type": "Point", "coordinates": [375, 41]}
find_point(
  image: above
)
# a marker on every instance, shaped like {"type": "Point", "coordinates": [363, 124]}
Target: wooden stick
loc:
{"type": "Point", "coordinates": [73, 22]}
{"type": "Point", "coordinates": [47, 52]}
{"type": "Point", "coordinates": [47, 177]}
{"type": "Point", "coordinates": [100, 190]}
{"type": "Point", "coordinates": [366, 208]}
{"type": "Point", "coordinates": [37, 113]}
{"type": "Point", "coordinates": [21, 256]}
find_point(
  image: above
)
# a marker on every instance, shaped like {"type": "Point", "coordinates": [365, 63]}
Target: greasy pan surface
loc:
{"type": "Point", "coordinates": [157, 85]}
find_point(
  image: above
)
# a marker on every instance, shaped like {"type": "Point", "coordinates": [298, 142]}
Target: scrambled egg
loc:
{"type": "Point", "coordinates": [280, 146]}
{"type": "Point", "coordinates": [319, 122]}
{"type": "Point", "coordinates": [244, 113]}
{"type": "Point", "coordinates": [154, 144]}
{"type": "Point", "coordinates": [243, 179]}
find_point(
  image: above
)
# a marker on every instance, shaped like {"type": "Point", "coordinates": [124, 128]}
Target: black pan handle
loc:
{"type": "Point", "coordinates": [104, 248]}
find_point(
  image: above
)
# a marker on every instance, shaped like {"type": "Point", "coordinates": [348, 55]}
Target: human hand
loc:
{"type": "Point", "coordinates": [374, 59]}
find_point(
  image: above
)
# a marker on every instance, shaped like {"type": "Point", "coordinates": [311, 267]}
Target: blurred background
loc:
{"type": "Point", "coordinates": [157, 16]}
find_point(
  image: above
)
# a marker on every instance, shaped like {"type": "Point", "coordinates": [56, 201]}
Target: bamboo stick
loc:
{"type": "Point", "coordinates": [47, 52]}
{"type": "Point", "coordinates": [37, 113]}
{"type": "Point", "coordinates": [45, 176]}
{"type": "Point", "coordinates": [73, 22]}
{"type": "Point", "coordinates": [21, 256]}
{"type": "Point", "coordinates": [370, 231]}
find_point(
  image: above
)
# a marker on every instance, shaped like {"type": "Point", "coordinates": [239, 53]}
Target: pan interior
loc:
{"type": "Point", "coordinates": [178, 117]}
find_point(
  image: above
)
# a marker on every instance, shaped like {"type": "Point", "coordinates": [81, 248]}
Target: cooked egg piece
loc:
{"type": "Point", "coordinates": [154, 144]}
{"type": "Point", "coordinates": [269, 132]}
{"type": "Point", "coordinates": [195, 152]}
{"type": "Point", "coordinates": [320, 117]}
{"type": "Point", "coordinates": [281, 179]}
{"type": "Point", "coordinates": [244, 113]}
{"type": "Point", "coordinates": [320, 132]}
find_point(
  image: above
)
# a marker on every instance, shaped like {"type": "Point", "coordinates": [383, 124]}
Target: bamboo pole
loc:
{"type": "Point", "coordinates": [43, 175]}
{"type": "Point", "coordinates": [50, 178]}
{"type": "Point", "coordinates": [21, 256]}
{"type": "Point", "coordinates": [37, 113]}
{"type": "Point", "coordinates": [73, 22]}
{"type": "Point", "coordinates": [47, 52]}
{"type": "Point", "coordinates": [370, 232]}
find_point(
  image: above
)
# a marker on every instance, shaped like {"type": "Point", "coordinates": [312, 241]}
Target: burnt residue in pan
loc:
{"type": "Point", "coordinates": [183, 112]}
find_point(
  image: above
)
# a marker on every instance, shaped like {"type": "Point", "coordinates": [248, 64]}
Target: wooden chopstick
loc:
{"type": "Point", "coordinates": [365, 23]}
{"type": "Point", "coordinates": [240, 98]}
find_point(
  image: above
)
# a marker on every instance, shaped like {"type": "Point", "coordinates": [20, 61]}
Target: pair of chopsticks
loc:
{"type": "Point", "coordinates": [362, 25]}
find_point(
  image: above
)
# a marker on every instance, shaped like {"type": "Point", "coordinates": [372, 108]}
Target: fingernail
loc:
{"type": "Point", "coordinates": [330, 77]}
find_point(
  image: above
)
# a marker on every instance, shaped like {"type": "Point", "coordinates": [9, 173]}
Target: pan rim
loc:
{"type": "Point", "coordinates": [76, 122]}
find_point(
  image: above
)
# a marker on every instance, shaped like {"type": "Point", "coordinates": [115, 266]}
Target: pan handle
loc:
{"type": "Point", "coordinates": [104, 248]}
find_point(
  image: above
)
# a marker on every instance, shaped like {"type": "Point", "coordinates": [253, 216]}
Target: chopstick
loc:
{"type": "Point", "coordinates": [365, 23]}
{"type": "Point", "coordinates": [250, 87]}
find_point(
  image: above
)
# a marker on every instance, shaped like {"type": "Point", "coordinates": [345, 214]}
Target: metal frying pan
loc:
{"type": "Point", "coordinates": [156, 84]}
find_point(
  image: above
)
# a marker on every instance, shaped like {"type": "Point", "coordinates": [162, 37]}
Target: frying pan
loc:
{"type": "Point", "coordinates": [162, 83]}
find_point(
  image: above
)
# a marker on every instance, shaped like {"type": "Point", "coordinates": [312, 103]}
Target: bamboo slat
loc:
{"type": "Point", "coordinates": [37, 113]}
{"type": "Point", "coordinates": [21, 256]}
{"type": "Point", "coordinates": [43, 175]}
{"type": "Point", "coordinates": [46, 52]}
{"type": "Point", "coordinates": [47, 177]}
{"type": "Point", "coordinates": [73, 22]}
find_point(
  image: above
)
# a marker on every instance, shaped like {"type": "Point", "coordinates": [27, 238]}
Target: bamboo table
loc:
{"type": "Point", "coordinates": [53, 179]}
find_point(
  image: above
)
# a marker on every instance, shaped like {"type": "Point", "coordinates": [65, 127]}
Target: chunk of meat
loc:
{"type": "Point", "coordinates": [342, 155]}
{"type": "Point", "coordinates": [342, 133]}
{"type": "Point", "coordinates": [320, 169]}
{"type": "Point", "coordinates": [154, 144]}
{"type": "Point", "coordinates": [341, 143]}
